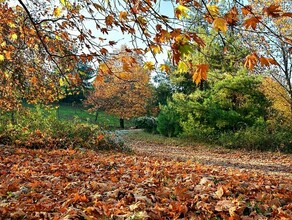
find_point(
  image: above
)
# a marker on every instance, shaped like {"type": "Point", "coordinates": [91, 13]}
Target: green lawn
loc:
{"type": "Point", "coordinates": [107, 121]}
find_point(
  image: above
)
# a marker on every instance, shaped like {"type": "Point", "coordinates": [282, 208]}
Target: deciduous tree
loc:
{"type": "Point", "coordinates": [124, 91]}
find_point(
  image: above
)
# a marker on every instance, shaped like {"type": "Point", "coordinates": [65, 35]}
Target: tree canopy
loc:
{"type": "Point", "coordinates": [41, 41]}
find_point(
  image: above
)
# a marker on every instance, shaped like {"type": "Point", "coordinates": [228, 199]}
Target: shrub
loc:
{"type": "Point", "coordinates": [259, 138]}
{"type": "Point", "coordinates": [149, 124]}
{"type": "Point", "coordinates": [40, 128]}
{"type": "Point", "coordinates": [168, 121]}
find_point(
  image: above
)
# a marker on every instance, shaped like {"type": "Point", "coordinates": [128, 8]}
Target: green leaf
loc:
{"type": "Point", "coordinates": [182, 67]}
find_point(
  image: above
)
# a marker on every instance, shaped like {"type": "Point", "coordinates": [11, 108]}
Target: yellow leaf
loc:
{"type": "Point", "coordinates": [220, 24]}
{"type": "Point", "coordinates": [165, 68]}
{"type": "Point", "coordinates": [155, 49]}
{"type": "Point", "coordinates": [124, 75]}
{"type": "Point", "coordinates": [61, 82]}
{"type": "Point", "coordinates": [104, 68]}
{"type": "Point", "coordinates": [149, 65]}
{"type": "Point", "coordinates": [182, 67]}
{"type": "Point", "coordinates": [63, 2]}
{"type": "Point", "coordinates": [181, 12]}
{"type": "Point", "coordinates": [13, 36]}
{"type": "Point", "coordinates": [57, 12]}
{"type": "Point", "coordinates": [11, 24]}
{"type": "Point", "coordinates": [2, 57]}
{"type": "Point", "coordinates": [3, 44]}
{"type": "Point", "coordinates": [213, 9]}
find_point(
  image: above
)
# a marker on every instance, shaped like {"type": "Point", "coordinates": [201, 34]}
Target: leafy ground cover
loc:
{"type": "Point", "coordinates": [85, 184]}
{"type": "Point", "coordinates": [185, 149]}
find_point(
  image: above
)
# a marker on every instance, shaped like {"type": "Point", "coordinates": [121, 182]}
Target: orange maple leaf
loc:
{"type": "Point", "coordinates": [109, 20]}
{"type": "Point", "coordinates": [123, 15]}
{"type": "Point", "coordinates": [246, 10]}
{"type": "Point", "coordinates": [201, 73]}
{"type": "Point", "coordinates": [252, 22]}
{"type": "Point", "coordinates": [251, 61]}
{"type": "Point", "coordinates": [232, 16]}
{"type": "Point", "coordinates": [103, 51]}
{"type": "Point", "coordinates": [273, 10]}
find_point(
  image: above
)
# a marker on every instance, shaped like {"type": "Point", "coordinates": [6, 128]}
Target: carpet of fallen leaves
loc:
{"type": "Point", "coordinates": [83, 184]}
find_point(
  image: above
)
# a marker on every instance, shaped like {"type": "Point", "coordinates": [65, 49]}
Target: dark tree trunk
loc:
{"type": "Point", "coordinates": [122, 123]}
{"type": "Point", "coordinates": [96, 116]}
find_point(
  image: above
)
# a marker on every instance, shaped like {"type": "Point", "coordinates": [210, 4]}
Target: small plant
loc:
{"type": "Point", "coordinates": [149, 124]}
{"type": "Point", "coordinates": [168, 121]}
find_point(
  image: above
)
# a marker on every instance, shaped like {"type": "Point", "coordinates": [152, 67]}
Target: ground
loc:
{"type": "Point", "coordinates": [159, 180]}
{"type": "Point", "coordinates": [272, 163]}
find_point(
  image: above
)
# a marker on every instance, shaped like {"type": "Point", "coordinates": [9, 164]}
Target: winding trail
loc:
{"type": "Point", "coordinates": [269, 163]}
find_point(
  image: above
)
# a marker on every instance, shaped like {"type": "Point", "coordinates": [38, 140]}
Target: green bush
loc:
{"type": "Point", "coordinates": [149, 124]}
{"type": "Point", "coordinates": [40, 128]}
{"type": "Point", "coordinates": [259, 138]}
{"type": "Point", "coordinates": [168, 121]}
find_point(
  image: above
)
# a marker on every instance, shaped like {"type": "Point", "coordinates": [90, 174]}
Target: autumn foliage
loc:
{"type": "Point", "coordinates": [42, 41]}
{"type": "Point", "coordinates": [122, 87]}
{"type": "Point", "coordinates": [68, 184]}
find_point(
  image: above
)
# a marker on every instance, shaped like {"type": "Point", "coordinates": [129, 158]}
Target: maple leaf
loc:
{"type": "Point", "coordinates": [252, 22]}
{"type": "Point", "coordinates": [220, 24]}
{"type": "Point", "coordinates": [104, 68]}
{"type": "Point", "coordinates": [155, 48]}
{"type": "Point", "coordinates": [2, 57]}
{"type": "Point", "coordinates": [246, 10]}
{"type": "Point", "coordinates": [182, 67]}
{"type": "Point", "coordinates": [98, 7]}
{"type": "Point", "coordinates": [287, 14]}
{"type": "Point", "coordinates": [273, 10]}
{"type": "Point", "coordinates": [33, 80]}
{"type": "Point", "coordinates": [181, 12]}
{"type": "Point", "coordinates": [213, 10]}
{"type": "Point", "coordinates": [149, 65]}
{"type": "Point", "coordinates": [123, 15]}
{"type": "Point", "coordinates": [57, 12]}
{"type": "Point", "coordinates": [251, 61]}
{"type": "Point", "coordinates": [7, 55]}
{"type": "Point", "coordinates": [197, 4]}
{"type": "Point", "coordinates": [164, 68]}
{"type": "Point", "coordinates": [99, 78]}
{"type": "Point", "coordinates": [232, 16]}
{"type": "Point", "coordinates": [103, 51]}
{"type": "Point", "coordinates": [109, 20]}
{"type": "Point", "coordinates": [201, 73]}
{"type": "Point", "coordinates": [13, 36]}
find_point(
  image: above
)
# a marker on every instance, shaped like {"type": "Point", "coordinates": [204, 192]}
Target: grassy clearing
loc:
{"type": "Point", "coordinates": [157, 139]}
{"type": "Point", "coordinates": [69, 112]}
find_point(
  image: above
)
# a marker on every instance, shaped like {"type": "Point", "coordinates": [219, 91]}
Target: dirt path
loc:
{"type": "Point", "coordinates": [265, 162]}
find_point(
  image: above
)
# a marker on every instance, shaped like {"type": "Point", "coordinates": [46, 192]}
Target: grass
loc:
{"type": "Point", "coordinates": [70, 112]}
{"type": "Point", "coordinates": [140, 135]}
{"type": "Point", "coordinates": [107, 121]}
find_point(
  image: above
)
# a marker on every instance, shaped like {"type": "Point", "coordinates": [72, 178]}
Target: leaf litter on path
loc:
{"type": "Point", "coordinates": [74, 184]}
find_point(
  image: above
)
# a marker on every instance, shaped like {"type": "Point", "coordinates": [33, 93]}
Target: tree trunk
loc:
{"type": "Point", "coordinates": [96, 116]}
{"type": "Point", "coordinates": [13, 119]}
{"type": "Point", "coordinates": [122, 123]}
